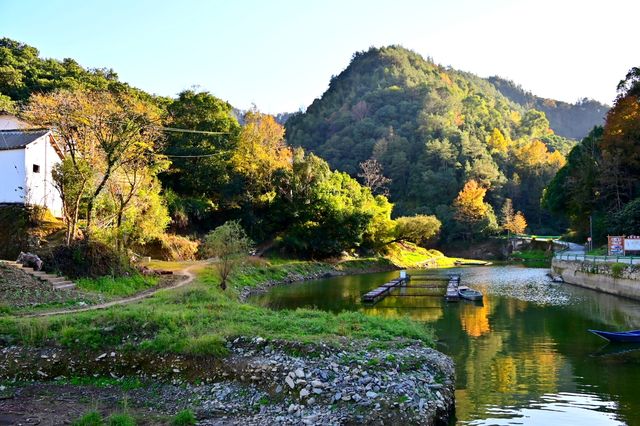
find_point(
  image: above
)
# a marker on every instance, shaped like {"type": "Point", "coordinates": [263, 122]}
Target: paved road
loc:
{"type": "Point", "coordinates": [577, 252]}
{"type": "Point", "coordinates": [574, 249]}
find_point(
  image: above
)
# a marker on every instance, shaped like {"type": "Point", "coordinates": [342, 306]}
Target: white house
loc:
{"type": "Point", "coordinates": [27, 157]}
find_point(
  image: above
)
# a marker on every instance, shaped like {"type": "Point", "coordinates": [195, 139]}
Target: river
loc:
{"type": "Point", "coordinates": [523, 356]}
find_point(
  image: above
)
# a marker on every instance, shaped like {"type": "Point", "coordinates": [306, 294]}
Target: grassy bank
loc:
{"type": "Point", "coordinates": [117, 286]}
{"type": "Point", "coordinates": [533, 258]}
{"type": "Point", "coordinates": [200, 318]}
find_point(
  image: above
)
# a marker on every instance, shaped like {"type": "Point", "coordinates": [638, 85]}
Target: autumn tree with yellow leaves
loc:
{"type": "Point", "coordinates": [105, 136]}
{"type": "Point", "coordinates": [472, 212]}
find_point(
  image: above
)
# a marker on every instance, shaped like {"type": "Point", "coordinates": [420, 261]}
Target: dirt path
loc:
{"type": "Point", "coordinates": [186, 273]}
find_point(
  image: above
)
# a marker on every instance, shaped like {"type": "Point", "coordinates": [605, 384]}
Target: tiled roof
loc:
{"type": "Point", "coordinates": [15, 139]}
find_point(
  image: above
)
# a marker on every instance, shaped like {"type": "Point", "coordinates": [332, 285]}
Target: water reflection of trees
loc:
{"type": "Point", "coordinates": [504, 365]}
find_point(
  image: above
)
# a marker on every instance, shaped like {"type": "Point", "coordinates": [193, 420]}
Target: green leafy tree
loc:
{"type": "Point", "coordinates": [201, 162]}
{"type": "Point", "coordinates": [419, 229]}
{"type": "Point", "coordinates": [230, 245]}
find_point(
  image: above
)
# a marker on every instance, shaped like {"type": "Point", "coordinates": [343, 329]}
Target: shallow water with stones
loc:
{"type": "Point", "coordinates": [523, 356]}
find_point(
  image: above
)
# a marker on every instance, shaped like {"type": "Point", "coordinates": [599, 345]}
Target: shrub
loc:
{"type": "Point", "coordinates": [86, 259]}
{"type": "Point", "coordinates": [616, 269]}
{"type": "Point", "coordinates": [92, 418]}
{"type": "Point", "coordinates": [121, 420]}
{"type": "Point", "coordinates": [184, 418]}
{"type": "Point", "coordinates": [170, 247]}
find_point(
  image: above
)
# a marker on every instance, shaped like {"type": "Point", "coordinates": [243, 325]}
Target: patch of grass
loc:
{"type": "Point", "coordinates": [599, 251]}
{"type": "Point", "coordinates": [617, 269]}
{"type": "Point", "coordinates": [92, 418]}
{"type": "Point", "coordinates": [184, 418]}
{"type": "Point", "coordinates": [102, 382]}
{"type": "Point", "coordinates": [199, 319]}
{"type": "Point", "coordinates": [121, 420]}
{"type": "Point", "coordinates": [533, 258]}
{"type": "Point", "coordinates": [409, 255]}
{"type": "Point", "coordinates": [117, 286]}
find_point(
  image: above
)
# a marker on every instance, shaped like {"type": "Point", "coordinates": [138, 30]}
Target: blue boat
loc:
{"type": "Point", "coordinates": [632, 336]}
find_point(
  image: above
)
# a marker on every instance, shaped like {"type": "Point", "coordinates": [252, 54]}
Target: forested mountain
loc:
{"type": "Point", "coordinates": [432, 129]}
{"type": "Point", "coordinates": [573, 121]}
{"type": "Point", "coordinates": [23, 72]}
{"type": "Point", "coordinates": [601, 181]}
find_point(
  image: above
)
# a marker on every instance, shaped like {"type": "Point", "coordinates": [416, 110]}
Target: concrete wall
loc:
{"type": "Point", "coordinates": [42, 192]}
{"type": "Point", "coordinates": [12, 176]}
{"type": "Point", "coordinates": [599, 277]}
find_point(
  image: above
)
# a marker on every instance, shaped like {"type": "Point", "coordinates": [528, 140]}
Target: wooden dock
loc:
{"type": "Point", "coordinates": [452, 288]}
{"type": "Point", "coordinates": [432, 282]}
{"type": "Point", "coordinates": [381, 292]}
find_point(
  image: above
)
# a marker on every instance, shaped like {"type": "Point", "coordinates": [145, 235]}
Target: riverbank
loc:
{"type": "Point", "coordinates": [619, 279]}
{"type": "Point", "coordinates": [259, 275]}
{"type": "Point", "coordinates": [207, 341]}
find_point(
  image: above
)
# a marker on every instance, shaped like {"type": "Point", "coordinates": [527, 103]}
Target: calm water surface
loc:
{"type": "Point", "coordinates": [523, 356]}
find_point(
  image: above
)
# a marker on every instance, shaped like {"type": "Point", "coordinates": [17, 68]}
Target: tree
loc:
{"type": "Point", "coordinates": [471, 211]}
{"type": "Point", "coordinates": [507, 213]}
{"type": "Point", "coordinates": [201, 162]}
{"type": "Point", "coordinates": [519, 224]}
{"type": "Point", "coordinates": [260, 152]}
{"type": "Point", "coordinates": [373, 178]}
{"type": "Point", "coordinates": [230, 245]}
{"type": "Point", "coordinates": [71, 180]}
{"type": "Point", "coordinates": [497, 142]}
{"type": "Point", "coordinates": [418, 229]}
{"type": "Point", "coordinates": [99, 131]}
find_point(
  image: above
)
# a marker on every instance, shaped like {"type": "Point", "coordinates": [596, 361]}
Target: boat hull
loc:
{"type": "Point", "coordinates": [471, 295]}
{"type": "Point", "coordinates": [632, 336]}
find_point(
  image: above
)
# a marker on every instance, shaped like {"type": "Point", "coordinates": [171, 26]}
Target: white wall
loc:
{"type": "Point", "coordinates": [12, 176]}
{"type": "Point", "coordinates": [42, 192]}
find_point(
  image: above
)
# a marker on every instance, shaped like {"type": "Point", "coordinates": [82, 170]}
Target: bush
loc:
{"type": "Point", "coordinates": [184, 418]}
{"type": "Point", "coordinates": [616, 269]}
{"type": "Point", "coordinates": [169, 247]}
{"type": "Point", "coordinates": [84, 259]}
{"type": "Point", "coordinates": [92, 418]}
{"type": "Point", "coordinates": [121, 420]}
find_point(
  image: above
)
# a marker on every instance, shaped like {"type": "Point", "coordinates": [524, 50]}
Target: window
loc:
{"type": "Point", "coordinates": [36, 168]}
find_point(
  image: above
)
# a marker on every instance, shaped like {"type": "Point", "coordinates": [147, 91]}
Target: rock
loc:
{"type": "Point", "coordinates": [317, 384]}
{"type": "Point", "coordinates": [371, 394]}
{"type": "Point", "coordinates": [337, 396]}
{"type": "Point", "coordinates": [317, 391]}
{"type": "Point", "coordinates": [304, 393]}
{"type": "Point", "coordinates": [356, 397]}
{"type": "Point", "coordinates": [289, 382]}
{"type": "Point", "coordinates": [101, 356]}
{"type": "Point", "coordinates": [292, 408]}
{"type": "Point", "coordinates": [299, 373]}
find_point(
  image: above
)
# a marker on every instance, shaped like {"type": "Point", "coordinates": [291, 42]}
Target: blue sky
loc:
{"type": "Point", "coordinates": [281, 54]}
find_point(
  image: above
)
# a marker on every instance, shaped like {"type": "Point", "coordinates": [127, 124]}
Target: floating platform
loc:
{"type": "Point", "coordinates": [381, 292]}
{"type": "Point", "coordinates": [452, 294]}
{"type": "Point", "coordinates": [429, 281]}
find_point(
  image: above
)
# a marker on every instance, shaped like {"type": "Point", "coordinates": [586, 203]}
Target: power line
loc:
{"type": "Point", "coordinates": [191, 156]}
{"type": "Point", "coordinates": [204, 132]}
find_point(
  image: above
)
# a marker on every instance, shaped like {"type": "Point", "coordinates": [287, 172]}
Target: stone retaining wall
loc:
{"type": "Point", "coordinates": [622, 280]}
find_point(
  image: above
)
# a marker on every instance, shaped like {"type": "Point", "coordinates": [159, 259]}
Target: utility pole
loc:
{"type": "Point", "coordinates": [590, 232]}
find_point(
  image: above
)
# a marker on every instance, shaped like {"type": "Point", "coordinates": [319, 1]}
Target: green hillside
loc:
{"type": "Point", "coordinates": [432, 129]}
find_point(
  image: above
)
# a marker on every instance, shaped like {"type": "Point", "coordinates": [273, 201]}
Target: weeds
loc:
{"type": "Point", "coordinates": [184, 418]}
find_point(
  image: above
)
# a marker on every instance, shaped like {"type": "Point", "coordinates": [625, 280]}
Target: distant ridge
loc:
{"type": "Point", "coordinates": [573, 121]}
